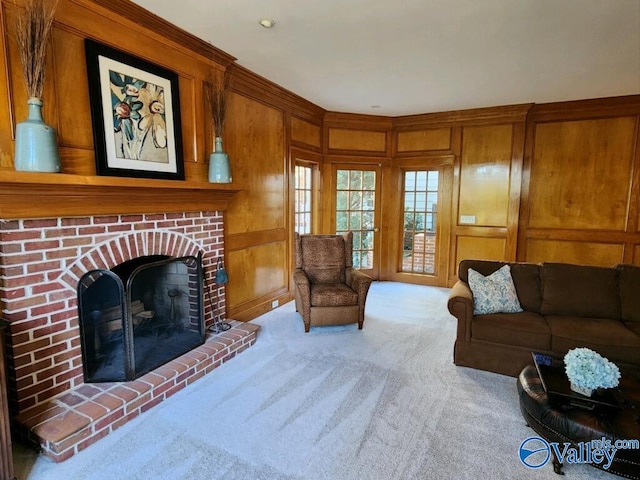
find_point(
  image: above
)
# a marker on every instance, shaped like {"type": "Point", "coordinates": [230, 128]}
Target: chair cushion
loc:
{"type": "Point", "coordinates": [580, 290]}
{"type": "Point", "coordinates": [332, 295]}
{"type": "Point", "coordinates": [323, 258]}
{"type": "Point", "coordinates": [525, 329]}
{"type": "Point", "coordinates": [609, 337]}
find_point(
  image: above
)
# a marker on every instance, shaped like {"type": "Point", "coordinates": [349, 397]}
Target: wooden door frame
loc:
{"type": "Point", "coordinates": [394, 229]}
{"type": "Point", "coordinates": [331, 165]}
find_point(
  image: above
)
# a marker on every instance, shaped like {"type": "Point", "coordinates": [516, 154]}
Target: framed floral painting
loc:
{"type": "Point", "coordinates": [135, 106]}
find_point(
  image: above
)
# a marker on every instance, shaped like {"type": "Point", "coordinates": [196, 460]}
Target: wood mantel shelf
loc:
{"type": "Point", "coordinates": [47, 195]}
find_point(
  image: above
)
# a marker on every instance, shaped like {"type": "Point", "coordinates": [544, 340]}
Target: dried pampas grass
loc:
{"type": "Point", "coordinates": [216, 94]}
{"type": "Point", "coordinates": [33, 28]}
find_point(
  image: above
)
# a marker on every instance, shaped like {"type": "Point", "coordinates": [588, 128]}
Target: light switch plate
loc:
{"type": "Point", "coordinates": [468, 219]}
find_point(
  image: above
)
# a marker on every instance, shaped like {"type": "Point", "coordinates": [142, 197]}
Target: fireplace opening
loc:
{"type": "Point", "coordinates": [139, 315]}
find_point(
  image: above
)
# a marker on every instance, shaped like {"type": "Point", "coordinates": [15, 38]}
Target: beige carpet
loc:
{"type": "Point", "coordinates": [337, 403]}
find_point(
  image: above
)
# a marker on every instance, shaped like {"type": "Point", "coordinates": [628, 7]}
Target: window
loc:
{"type": "Point", "coordinates": [303, 199]}
{"type": "Point", "coordinates": [420, 221]}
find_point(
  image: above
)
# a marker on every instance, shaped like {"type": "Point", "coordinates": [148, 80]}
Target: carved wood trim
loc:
{"type": "Point", "coordinates": [475, 116]}
{"type": "Point", "coordinates": [128, 9]}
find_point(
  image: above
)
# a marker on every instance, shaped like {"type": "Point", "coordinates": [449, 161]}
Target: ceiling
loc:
{"type": "Point", "coordinates": [419, 56]}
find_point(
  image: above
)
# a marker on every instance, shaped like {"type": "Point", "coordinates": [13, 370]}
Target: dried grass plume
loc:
{"type": "Point", "coordinates": [33, 28]}
{"type": "Point", "coordinates": [216, 95]}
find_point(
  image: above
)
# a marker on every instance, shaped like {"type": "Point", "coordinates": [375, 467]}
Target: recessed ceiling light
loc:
{"type": "Point", "coordinates": [267, 23]}
{"type": "Point", "coordinates": [375, 106]}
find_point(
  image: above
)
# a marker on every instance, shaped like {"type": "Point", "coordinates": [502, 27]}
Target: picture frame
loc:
{"type": "Point", "coordinates": [135, 110]}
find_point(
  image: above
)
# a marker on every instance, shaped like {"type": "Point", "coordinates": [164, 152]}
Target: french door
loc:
{"type": "Point", "coordinates": [422, 224]}
{"type": "Point", "coordinates": [356, 207]}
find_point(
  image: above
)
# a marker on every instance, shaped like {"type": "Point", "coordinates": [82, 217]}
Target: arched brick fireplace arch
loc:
{"type": "Point", "coordinates": [128, 247]}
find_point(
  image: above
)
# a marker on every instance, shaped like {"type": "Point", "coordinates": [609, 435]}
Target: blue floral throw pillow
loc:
{"type": "Point", "coordinates": [495, 293]}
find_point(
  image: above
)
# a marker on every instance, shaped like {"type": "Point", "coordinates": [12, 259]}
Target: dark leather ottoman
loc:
{"type": "Point", "coordinates": [555, 423]}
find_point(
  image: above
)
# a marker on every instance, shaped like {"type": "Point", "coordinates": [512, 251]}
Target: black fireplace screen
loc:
{"type": "Point", "coordinates": [139, 315]}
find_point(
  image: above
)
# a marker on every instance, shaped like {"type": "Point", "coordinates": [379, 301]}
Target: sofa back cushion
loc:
{"type": "Point", "coordinates": [526, 278]}
{"type": "Point", "coordinates": [629, 292]}
{"type": "Point", "coordinates": [580, 290]}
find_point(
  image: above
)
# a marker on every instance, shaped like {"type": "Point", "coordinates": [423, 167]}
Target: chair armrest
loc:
{"type": "Point", "coordinates": [303, 291]}
{"type": "Point", "coordinates": [300, 278]}
{"type": "Point", "coordinates": [358, 281]}
{"type": "Point", "coordinates": [460, 305]}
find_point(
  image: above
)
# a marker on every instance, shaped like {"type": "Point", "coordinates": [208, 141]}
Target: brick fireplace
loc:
{"type": "Point", "coordinates": [42, 262]}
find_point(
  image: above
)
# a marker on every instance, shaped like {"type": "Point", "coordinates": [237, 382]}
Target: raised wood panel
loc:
{"type": "Point", "coordinates": [305, 132]}
{"type": "Point", "coordinates": [586, 253]}
{"type": "Point", "coordinates": [68, 49]}
{"type": "Point", "coordinates": [66, 87]}
{"type": "Point", "coordinates": [6, 122]}
{"type": "Point", "coordinates": [255, 272]}
{"type": "Point", "coordinates": [485, 174]}
{"type": "Point", "coordinates": [423, 140]}
{"type": "Point", "coordinates": [481, 248]}
{"type": "Point", "coordinates": [636, 255]}
{"type": "Point", "coordinates": [255, 144]}
{"type": "Point", "coordinates": [581, 174]}
{"type": "Point", "coordinates": [357, 140]}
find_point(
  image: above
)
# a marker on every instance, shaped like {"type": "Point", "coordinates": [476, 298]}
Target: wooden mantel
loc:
{"type": "Point", "coordinates": [47, 195]}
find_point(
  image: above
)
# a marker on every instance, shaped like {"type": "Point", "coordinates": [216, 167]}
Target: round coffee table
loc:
{"type": "Point", "coordinates": [578, 426]}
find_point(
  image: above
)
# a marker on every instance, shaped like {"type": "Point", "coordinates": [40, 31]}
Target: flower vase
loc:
{"type": "Point", "coordinates": [36, 144]}
{"type": "Point", "coordinates": [219, 169]}
{"type": "Point", "coordinates": [581, 390]}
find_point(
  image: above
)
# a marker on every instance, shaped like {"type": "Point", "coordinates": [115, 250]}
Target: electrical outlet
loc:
{"type": "Point", "coordinates": [275, 304]}
{"type": "Point", "coordinates": [468, 219]}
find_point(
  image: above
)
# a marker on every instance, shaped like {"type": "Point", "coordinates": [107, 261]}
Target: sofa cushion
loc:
{"type": "Point", "coordinates": [580, 290]}
{"type": "Point", "coordinates": [629, 278]}
{"type": "Point", "coordinates": [525, 329]}
{"type": "Point", "coordinates": [526, 278]}
{"type": "Point", "coordinates": [332, 295]}
{"type": "Point", "coordinates": [609, 337]}
{"type": "Point", "coordinates": [494, 293]}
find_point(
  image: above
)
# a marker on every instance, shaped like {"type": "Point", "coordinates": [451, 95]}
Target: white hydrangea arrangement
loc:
{"type": "Point", "coordinates": [588, 370]}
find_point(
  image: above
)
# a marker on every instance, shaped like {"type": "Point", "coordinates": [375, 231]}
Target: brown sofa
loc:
{"type": "Point", "coordinates": [565, 306]}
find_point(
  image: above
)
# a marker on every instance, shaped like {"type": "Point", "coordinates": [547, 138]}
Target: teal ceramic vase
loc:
{"type": "Point", "coordinates": [36, 144]}
{"type": "Point", "coordinates": [219, 168]}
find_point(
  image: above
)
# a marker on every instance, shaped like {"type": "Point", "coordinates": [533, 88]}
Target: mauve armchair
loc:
{"type": "Point", "coordinates": [328, 290]}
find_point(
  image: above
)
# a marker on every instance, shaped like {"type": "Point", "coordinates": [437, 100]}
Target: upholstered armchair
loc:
{"type": "Point", "coordinates": [328, 290]}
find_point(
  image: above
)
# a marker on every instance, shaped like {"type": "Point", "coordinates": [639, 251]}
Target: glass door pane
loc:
{"type": "Point", "coordinates": [355, 211]}
{"type": "Point", "coordinates": [420, 202]}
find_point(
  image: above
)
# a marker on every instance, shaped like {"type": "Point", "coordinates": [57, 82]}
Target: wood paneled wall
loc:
{"type": "Point", "coordinates": [554, 182]}
{"type": "Point", "coordinates": [581, 183]}
{"type": "Point", "coordinates": [66, 94]}
{"type": "Point", "coordinates": [262, 119]}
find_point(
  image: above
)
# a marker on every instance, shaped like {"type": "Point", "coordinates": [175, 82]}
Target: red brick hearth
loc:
{"type": "Point", "coordinates": [76, 419]}
{"type": "Point", "coordinates": [41, 263]}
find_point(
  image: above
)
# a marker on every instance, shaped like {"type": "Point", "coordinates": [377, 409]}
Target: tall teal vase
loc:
{"type": "Point", "coordinates": [36, 144]}
{"type": "Point", "coordinates": [219, 168]}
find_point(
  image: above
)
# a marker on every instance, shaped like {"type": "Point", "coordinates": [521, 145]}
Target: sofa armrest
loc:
{"type": "Point", "coordinates": [303, 290]}
{"type": "Point", "coordinates": [460, 305]}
